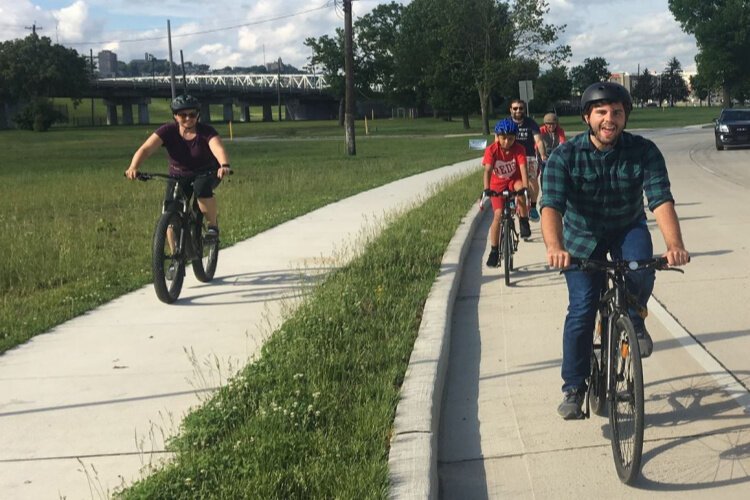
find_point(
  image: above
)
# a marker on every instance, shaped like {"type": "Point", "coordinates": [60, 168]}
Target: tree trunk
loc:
{"type": "Point", "coordinates": [726, 96]}
{"type": "Point", "coordinates": [341, 112]}
{"type": "Point", "coordinates": [484, 99]}
{"type": "Point", "coordinates": [466, 121]}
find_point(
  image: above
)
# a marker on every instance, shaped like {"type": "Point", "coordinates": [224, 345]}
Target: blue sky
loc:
{"type": "Point", "coordinates": [246, 32]}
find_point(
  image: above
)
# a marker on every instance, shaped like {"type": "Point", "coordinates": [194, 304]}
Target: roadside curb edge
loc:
{"type": "Point", "coordinates": [412, 460]}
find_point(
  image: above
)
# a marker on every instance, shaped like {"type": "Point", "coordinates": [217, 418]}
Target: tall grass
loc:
{"type": "Point", "coordinates": [312, 417]}
{"type": "Point", "coordinates": [77, 234]}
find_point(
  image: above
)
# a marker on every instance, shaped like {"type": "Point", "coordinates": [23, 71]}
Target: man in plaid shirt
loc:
{"type": "Point", "coordinates": [593, 204]}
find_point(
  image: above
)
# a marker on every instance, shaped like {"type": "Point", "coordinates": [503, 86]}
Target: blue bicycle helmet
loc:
{"type": "Point", "coordinates": [506, 126]}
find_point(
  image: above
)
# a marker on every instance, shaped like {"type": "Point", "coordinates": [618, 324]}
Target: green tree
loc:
{"type": "Point", "coordinates": [645, 87]}
{"type": "Point", "coordinates": [594, 69]}
{"type": "Point", "coordinates": [552, 86]}
{"type": "Point", "coordinates": [700, 88]}
{"type": "Point", "coordinates": [328, 59]}
{"type": "Point", "coordinates": [32, 70]}
{"type": "Point", "coordinates": [722, 32]}
{"type": "Point", "coordinates": [376, 36]}
{"type": "Point", "coordinates": [673, 87]}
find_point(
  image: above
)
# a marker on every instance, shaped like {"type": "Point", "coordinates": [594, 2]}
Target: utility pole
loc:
{"type": "Point", "coordinates": [278, 85]}
{"type": "Point", "coordinates": [171, 64]}
{"type": "Point", "coordinates": [91, 53]}
{"type": "Point", "coordinates": [184, 76]}
{"type": "Point", "coordinates": [33, 28]}
{"type": "Point", "coordinates": [351, 147]}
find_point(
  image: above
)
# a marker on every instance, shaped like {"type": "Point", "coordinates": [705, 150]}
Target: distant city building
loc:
{"type": "Point", "coordinates": [107, 64]}
{"type": "Point", "coordinates": [624, 79]}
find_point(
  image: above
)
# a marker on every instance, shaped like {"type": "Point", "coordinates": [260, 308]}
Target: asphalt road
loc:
{"type": "Point", "coordinates": [500, 436]}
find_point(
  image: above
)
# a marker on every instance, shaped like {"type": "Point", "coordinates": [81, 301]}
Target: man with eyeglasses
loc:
{"type": "Point", "coordinates": [530, 137]}
{"type": "Point", "coordinates": [192, 148]}
{"type": "Point", "coordinates": [552, 136]}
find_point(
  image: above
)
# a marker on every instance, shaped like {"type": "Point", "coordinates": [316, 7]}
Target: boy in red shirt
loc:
{"type": "Point", "coordinates": [505, 168]}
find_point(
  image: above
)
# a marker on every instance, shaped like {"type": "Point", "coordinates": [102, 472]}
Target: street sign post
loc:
{"type": "Point", "coordinates": [526, 91]}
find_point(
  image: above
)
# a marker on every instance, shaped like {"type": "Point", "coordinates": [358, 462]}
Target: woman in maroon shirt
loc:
{"type": "Point", "coordinates": [192, 148]}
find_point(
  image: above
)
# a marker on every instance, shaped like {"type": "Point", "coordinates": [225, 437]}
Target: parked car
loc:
{"type": "Point", "coordinates": [732, 128]}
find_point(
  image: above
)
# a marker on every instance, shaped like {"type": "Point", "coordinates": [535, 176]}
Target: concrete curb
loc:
{"type": "Point", "coordinates": [412, 461]}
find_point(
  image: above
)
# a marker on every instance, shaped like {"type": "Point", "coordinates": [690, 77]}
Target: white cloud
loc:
{"type": "Point", "coordinates": [71, 21]}
{"type": "Point", "coordinates": [625, 32]}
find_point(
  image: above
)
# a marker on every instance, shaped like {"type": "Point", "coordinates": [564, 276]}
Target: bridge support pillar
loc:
{"type": "Point", "coordinates": [127, 114]}
{"type": "Point", "coordinates": [143, 117]}
{"type": "Point", "coordinates": [244, 111]}
{"type": "Point", "coordinates": [267, 112]}
{"type": "Point", "coordinates": [228, 112]}
{"type": "Point", "coordinates": [205, 112]}
{"type": "Point", "coordinates": [111, 113]}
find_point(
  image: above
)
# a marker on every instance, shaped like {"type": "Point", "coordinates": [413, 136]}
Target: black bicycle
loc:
{"type": "Point", "coordinates": [180, 238]}
{"type": "Point", "coordinates": [508, 235]}
{"type": "Point", "coordinates": [615, 384]}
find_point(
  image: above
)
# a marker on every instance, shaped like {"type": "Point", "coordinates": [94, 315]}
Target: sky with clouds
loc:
{"type": "Point", "coordinates": [627, 33]}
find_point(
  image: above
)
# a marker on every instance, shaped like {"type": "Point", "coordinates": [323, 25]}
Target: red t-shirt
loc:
{"type": "Point", "coordinates": [506, 165]}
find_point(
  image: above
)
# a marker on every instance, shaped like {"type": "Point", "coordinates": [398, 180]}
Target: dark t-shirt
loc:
{"type": "Point", "coordinates": [187, 158]}
{"type": "Point", "coordinates": [525, 137]}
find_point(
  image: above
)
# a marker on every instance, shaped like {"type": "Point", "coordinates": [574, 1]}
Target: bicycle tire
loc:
{"type": "Point", "coordinates": [507, 251]}
{"type": "Point", "coordinates": [204, 267]}
{"type": "Point", "coordinates": [167, 264]}
{"type": "Point", "coordinates": [598, 377]}
{"type": "Point", "coordinates": [626, 411]}
{"type": "Point", "coordinates": [514, 244]}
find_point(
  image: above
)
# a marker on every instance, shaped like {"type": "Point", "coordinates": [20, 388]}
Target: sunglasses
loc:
{"type": "Point", "coordinates": [550, 123]}
{"type": "Point", "coordinates": [191, 114]}
{"type": "Point", "coordinates": [518, 108]}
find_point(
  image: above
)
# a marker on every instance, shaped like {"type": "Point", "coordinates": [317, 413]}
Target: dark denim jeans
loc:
{"type": "Point", "coordinates": [583, 296]}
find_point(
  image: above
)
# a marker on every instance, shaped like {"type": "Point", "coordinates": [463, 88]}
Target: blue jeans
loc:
{"type": "Point", "coordinates": [584, 288]}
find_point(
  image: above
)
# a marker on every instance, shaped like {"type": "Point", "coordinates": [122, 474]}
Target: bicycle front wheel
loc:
{"type": "Point", "coordinates": [204, 266]}
{"type": "Point", "coordinates": [598, 380]}
{"type": "Point", "coordinates": [167, 264]}
{"type": "Point", "coordinates": [507, 250]}
{"type": "Point", "coordinates": [626, 413]}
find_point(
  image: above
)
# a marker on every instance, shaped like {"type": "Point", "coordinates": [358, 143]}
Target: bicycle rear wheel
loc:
{"type": "Point", "coordinates": [204, 267]}
{"type": "Point", "coordinates": [598, 378]}
{"type": "Point", "coordinates": [626, 415]}
{"type": "Point", "coordinates": [507, 250]}
{"type": "Point", "coordinates": [167, 264]}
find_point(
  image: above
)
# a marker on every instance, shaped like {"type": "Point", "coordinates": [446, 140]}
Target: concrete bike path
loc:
{"type": "Point", "coordinates": [88, 405]}
{"type": "Point", "coordinates": [500, 435]}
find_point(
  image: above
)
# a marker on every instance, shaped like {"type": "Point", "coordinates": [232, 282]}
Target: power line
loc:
{"type": "Point", "coordinates": [227, 28]}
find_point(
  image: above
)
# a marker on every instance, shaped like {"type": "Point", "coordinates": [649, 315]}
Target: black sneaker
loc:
{"type": "Point", "coordinates": [645, 343]}
{"type": "Point", "coordinates": [494, 258]}
{"type": "Point", "coordinates": [212, 233]}
{"type": "Point", "coordinates": [171, 272]}
{"type": "Point", "coordinates": [525, 228]}
{"type": "Point", "coordinates": [570, 408]}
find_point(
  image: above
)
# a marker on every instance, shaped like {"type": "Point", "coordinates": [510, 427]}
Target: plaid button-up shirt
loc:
{"type": "Point", "coordinates": [600, 193]}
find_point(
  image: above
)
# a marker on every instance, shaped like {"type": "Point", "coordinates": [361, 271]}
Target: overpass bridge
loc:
{"type": "Point", "coordinates": [303, 96]}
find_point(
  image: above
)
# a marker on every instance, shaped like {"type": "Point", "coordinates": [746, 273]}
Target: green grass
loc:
{"type": "Point", "coordinates": [312, 417]}
{"type": "Point", "coordinates": [77, 234]}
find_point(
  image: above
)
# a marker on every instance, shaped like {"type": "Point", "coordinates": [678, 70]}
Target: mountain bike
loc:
{"type": "Point", "coordinates": [180, 238]}
{"type": "Point", "coordinates": [615, 384]}
{"type": "Point", "coordinates": [508, 235]}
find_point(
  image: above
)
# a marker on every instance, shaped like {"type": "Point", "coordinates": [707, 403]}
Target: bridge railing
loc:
{"type": "Point", "coordinates": [296, 82]}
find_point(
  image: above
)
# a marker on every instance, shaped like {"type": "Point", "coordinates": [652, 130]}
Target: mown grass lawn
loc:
{"type": "Point", "coordinates": [77, 234]}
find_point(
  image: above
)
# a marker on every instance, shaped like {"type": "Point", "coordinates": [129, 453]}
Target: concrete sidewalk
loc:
{"type": "Point", "coordinates": [500, 435]}
{"type": "Point", "coordinates": [87, 406]}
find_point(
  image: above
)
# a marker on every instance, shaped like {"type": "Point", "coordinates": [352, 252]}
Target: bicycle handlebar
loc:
{"type": "Point", "coordinates": [657, 263]}
{"type": "Point", "coordinates": [147, 176]}
{"type": "Point", "coordinates": [505, 194]}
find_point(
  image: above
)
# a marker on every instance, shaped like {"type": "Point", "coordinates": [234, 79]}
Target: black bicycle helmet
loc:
{"type": "Point", "coordinates": [608, 92]}
{"type": "Point", "coordinates": [182, 102]}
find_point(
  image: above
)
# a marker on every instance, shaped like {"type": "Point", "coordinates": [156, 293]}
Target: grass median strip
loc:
{"type": "Point", "coordinates": [311, 418]}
